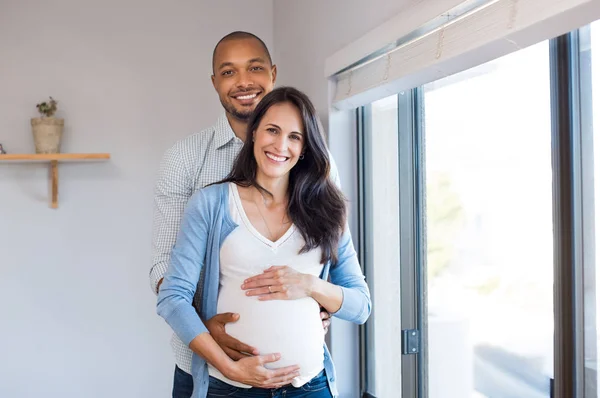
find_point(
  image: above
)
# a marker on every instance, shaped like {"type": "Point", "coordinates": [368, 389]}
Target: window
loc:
{"type": "Point", "coordinates": [479, 204]}
{"type": "Point", "coordinates": [457, 217]}
{"type": "Point", "coordinates": [489, 236]}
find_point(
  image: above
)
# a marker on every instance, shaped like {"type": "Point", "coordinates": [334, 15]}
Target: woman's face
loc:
{"type": "Point", "coordinates": [278, 141]}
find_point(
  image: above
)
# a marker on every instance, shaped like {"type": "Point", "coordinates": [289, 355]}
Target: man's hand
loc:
{"type": "Point", "coordinates": [234, 348]}
{"type": "Point", "coordinates": [325, 318]}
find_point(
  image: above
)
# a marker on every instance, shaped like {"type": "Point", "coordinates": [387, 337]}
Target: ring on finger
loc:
{"type": "Point", "coordinates": [270, 291]}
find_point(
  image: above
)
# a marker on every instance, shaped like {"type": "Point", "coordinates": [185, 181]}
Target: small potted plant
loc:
{"type": "Point", "coordinates": [47, 130]}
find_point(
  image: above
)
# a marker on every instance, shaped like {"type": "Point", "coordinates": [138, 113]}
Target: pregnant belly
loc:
{"type": "Point", "coordinates": [291, 328]}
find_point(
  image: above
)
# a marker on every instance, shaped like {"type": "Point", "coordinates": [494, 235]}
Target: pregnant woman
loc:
{"type": "Point", "coordinates": [270, 243]}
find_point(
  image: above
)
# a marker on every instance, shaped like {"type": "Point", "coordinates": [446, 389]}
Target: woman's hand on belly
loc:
{"type": "Point", "coordinates": [252, 371]}
{"type": "Point", "coordinates": [285, 283]}
{"type": "Point", "coordinates": [280, 283]}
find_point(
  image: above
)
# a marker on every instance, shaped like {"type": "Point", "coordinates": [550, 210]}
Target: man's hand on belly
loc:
{"type": "Point", "coordinates": [234, 348]}
{"type": "Point", "coordinates": [325, 317]}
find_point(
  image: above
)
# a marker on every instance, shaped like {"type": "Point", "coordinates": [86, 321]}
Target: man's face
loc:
{"type": "Point", "coordinates": [242, 76]}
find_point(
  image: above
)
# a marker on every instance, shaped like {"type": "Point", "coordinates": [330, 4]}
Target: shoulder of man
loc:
{"type": "Point", "coordinates": [188, 153]}
{"type": "Point", "coordinates": [195, 143]}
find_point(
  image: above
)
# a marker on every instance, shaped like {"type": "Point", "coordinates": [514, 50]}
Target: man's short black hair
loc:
{"type": "Point", "coordinates": [241, 35]}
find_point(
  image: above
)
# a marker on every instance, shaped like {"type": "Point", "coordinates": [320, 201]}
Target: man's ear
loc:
{"type": "Point", "coordinates": [274, 73]}
{"type": "Point", "coordinates": [212, 78]}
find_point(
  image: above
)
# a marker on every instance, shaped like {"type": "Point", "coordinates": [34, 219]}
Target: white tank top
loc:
{"type": "Point", "coordinates": [292, 328]}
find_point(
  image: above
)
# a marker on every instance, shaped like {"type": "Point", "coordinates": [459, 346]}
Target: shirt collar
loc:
{"type": "Point", "coordinates": [223, 131]}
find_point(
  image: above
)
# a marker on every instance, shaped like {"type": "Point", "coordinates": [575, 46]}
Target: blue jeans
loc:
{"type": "Point", "coordinates": [316, 388]}
{"type": "Point", "coordinates": [183, 384]}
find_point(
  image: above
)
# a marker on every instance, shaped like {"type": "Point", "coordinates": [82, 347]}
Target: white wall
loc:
{"type": "Point", "coordinates": [306, 33]}
{"type": "Point", "coordinates": [131, 77]}
{"type": "Point", "coordinates": [309, 31]}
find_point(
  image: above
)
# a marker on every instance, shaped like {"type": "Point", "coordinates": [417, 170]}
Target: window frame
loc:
{"type": "Point", "coordinates": [573, 237]}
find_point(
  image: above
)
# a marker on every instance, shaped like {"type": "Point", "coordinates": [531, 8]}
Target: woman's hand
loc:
{"type": "Point", "coordinates": [251, 371]}
{"type": "Point", "coordinates": [280, 283]}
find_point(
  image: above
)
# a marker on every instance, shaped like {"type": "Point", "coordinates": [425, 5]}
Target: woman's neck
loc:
{"type": "Point", "coordinates": [278, 187]}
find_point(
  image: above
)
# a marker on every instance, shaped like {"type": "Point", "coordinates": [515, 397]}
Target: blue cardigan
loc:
{"type": "Point", "coordinates": [194, 266]}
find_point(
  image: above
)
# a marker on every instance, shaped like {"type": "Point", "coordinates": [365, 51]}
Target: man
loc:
{"type": "Point", "coordinates": [243, 73]}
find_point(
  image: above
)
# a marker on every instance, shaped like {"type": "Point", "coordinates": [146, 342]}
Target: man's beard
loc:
{"type": "Point", "coordinates": [242, 116]}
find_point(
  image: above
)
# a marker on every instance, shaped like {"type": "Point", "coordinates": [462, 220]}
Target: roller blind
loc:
{"type": "Point", "coordinates": [475, 32]}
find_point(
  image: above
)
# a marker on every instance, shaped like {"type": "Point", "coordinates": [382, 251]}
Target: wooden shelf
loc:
{"type": "Point", "coordinates": [54, 158]}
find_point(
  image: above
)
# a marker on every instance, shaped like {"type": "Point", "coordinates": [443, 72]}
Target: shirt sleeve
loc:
{"type": "Point", "coordinates": [171, 193]}
{"type": "Point", "coordinates": [177, 290]}
{"type": "Point", "coordinates": [356, 302]}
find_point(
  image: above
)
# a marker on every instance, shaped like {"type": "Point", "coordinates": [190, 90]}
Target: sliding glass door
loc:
{"type": "Point", "coordinates": [489, 261]}
{"type": "Point", "coordinates": [479, 197]}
